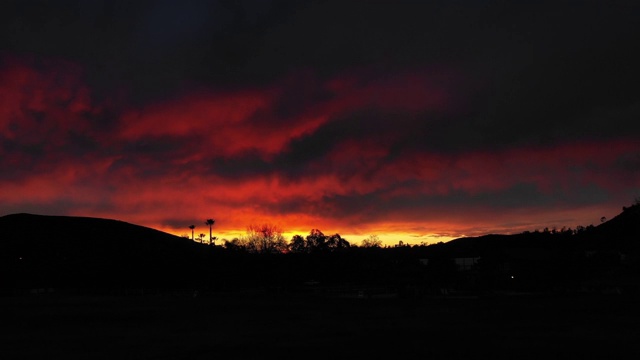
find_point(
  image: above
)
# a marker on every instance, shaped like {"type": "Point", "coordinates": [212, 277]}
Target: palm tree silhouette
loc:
{"type": "Point", "coordinates": [192, 227]}
{"type": "Point", "coordinates": [210, 223]}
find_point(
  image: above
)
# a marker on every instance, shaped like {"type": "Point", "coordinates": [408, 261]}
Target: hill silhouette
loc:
{"type": "Point", "coordinates": [101, 255]}
{"type": "Point", "coordinates": [619, 234]}
{"type": "Point", "coordinates": [67, 251]}
{"type": "Point", "coordinates": [602, 256]}
{"type": "Point", "coordinates": [39, 251]}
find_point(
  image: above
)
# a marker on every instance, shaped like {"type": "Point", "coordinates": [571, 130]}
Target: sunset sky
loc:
{"type": "Point", "coordinates": [415, 121]}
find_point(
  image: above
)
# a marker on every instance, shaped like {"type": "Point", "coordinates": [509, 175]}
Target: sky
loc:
{"type": "Point", "coordinates": [415, 121]}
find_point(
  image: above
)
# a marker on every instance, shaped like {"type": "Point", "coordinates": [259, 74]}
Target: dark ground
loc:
{"type": "Point", "coordinates": [256, 326]}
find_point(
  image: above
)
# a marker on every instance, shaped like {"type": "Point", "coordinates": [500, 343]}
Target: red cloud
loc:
{"type": "Point", "coordinates": [38, 105]}
{"type": "Point", "coordinates": [229, 123]}
{"type": "Point", "coordinates": [113, 178]}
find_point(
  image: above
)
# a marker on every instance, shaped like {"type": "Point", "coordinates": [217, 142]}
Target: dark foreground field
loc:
{"type": "Point", "coordinates": [256, 326]}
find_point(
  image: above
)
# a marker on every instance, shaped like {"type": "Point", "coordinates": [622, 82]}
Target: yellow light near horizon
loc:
{"type": "Point", "coordinates": [389, 239]}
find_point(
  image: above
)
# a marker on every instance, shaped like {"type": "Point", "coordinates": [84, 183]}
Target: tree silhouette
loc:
{"type": "Point", "coordinates": [316, 240]}
{"type": "Point", "coordinates": [371, 241]}
{"type": "Point", "coordinates": [335, 242]}
{"type": "Point", "coordinates": [192, 227]}
{"type": "Point", "coordinates": [298, 244]}
{"type": "Point", "coordinates": [210, 223]}
{"type": "Point", "coordinates": [265, 239]}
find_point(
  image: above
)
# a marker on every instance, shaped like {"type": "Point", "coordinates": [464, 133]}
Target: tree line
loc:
{"type": "Point", "coordinates": [269, 239]}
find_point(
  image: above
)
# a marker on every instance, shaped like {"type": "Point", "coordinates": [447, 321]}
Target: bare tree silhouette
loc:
{"type": "Point", "coordinates": [373, 241]}
{"type": "Point", "coordinates": [265, 239]}
{"type": "Point", "coordinates": [210, 222]}
{"type": "Point", "coordinates": [192, 227]}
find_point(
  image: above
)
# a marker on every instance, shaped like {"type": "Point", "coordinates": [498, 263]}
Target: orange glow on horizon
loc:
{"type": "Point", "coordinates": [417, 233]}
